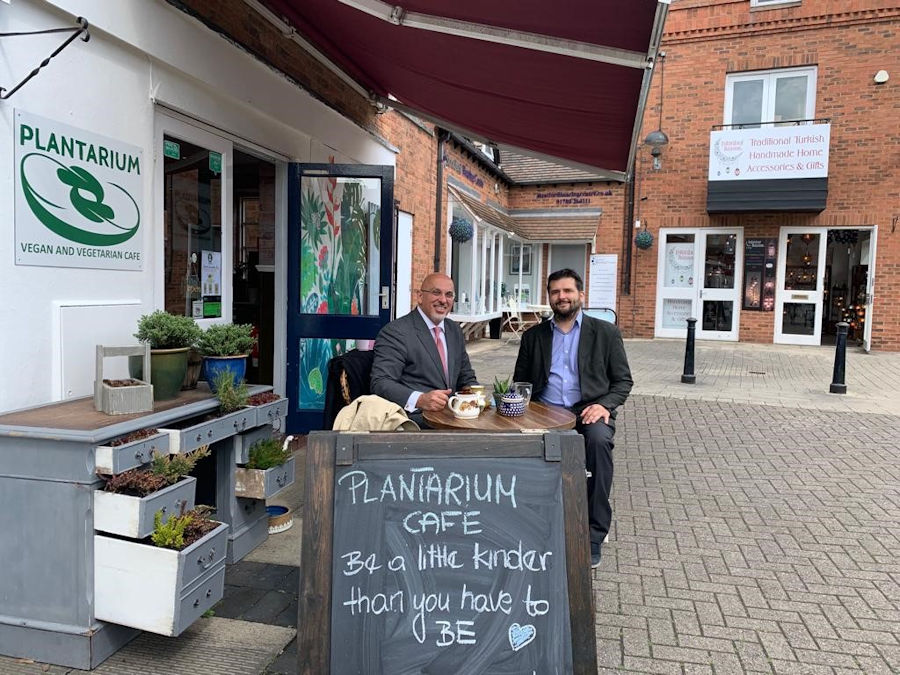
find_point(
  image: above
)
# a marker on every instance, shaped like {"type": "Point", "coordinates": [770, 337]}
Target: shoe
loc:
{"type": "Point", "coordinates": [595, 555]}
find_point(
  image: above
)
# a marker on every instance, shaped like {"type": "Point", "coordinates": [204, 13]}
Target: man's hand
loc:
{"type": "Point", "coordinates": [594, 412]}
{"type": "Point", "coordinates": [435, 400]}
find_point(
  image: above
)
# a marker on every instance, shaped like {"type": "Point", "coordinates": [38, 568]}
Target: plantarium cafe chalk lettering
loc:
{"type": "Point", "coordinates": [78, 198]}
{"type": "Point", "coordinates": [445, 566]}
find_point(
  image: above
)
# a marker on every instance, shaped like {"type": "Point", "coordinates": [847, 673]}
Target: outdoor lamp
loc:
{"type": "Point", "coordinates": [657, 139]}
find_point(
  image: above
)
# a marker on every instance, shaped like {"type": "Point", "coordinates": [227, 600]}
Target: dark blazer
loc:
{"type": "Point", "coordinates": [407, 360]}
{"type": "Point", "coordinates": [603, 370]}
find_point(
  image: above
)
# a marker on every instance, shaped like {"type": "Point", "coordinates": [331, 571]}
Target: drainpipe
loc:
{"type": "Point", "coordinates": [626, 235]}
{"type": "Point", "coordinates": [439, 205]}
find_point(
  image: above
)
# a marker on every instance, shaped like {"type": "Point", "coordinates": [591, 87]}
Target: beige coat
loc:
{"type": "Point", "coordinates": [373, 413]}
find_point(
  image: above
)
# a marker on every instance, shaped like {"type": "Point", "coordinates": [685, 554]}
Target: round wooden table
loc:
{"type": "Point", "coordinates": [537, 416]}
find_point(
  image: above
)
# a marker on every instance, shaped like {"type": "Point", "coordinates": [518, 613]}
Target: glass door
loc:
{"type": "Point", "coordinates": [721, 260]}
{"type": "Point", "coordinates": [799, 290]}
{"type": "Point", "coordinates": [340, 238]}
{"type": "Point", "coordinates": [677, 287]}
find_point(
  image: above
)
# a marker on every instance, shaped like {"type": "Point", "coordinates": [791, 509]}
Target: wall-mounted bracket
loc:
{"type": "Point", "coordinates": [80, 31]}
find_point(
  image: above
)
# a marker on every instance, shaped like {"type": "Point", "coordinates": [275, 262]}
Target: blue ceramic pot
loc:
{"type": "Point", "coordinates": [512, 405]}
{"type": "Point", "coordinates": [213, 365]}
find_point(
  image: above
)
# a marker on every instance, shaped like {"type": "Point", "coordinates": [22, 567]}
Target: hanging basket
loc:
{"type": "Point", "coordinates": [643, 240]}
{"type": "Point", "coordinates": [461, 230]}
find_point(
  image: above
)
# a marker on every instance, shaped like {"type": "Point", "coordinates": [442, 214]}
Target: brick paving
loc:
{"type": "Point", "coordinates": [756, 526]}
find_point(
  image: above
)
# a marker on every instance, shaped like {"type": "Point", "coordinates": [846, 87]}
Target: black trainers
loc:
{"type": "Point", "coordinates": [595, 555]}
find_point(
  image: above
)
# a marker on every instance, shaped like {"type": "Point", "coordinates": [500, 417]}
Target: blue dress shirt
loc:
{"type": "Point", "coordinates": [564, 386]}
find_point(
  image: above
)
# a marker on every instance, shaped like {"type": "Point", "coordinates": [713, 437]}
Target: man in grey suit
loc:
{"type": "Point", "coordinates": [420, 358]}
{"type": "Point", "coordinates": [579, 362]}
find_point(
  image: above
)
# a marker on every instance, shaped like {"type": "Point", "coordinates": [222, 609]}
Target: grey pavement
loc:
{"type": "Point", "coordinates": [756, 526]}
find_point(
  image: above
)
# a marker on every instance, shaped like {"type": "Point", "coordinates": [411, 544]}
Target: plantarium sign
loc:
{"type": "Point", "coordinates": [79, 197]}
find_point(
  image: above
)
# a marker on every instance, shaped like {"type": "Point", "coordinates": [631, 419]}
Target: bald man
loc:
{"type": "Point", "coordinates": [420, 358]}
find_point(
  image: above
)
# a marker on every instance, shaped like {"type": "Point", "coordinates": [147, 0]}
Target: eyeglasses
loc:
{"type": "Point", "coordinates": [437, 292]}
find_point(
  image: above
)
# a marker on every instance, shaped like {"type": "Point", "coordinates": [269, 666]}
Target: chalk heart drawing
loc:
{"type": "Point", "coordinates": [519, 636]}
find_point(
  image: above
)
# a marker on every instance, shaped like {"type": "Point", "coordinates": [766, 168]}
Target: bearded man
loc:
{"type": "Point", "coordinates": [579, 362]}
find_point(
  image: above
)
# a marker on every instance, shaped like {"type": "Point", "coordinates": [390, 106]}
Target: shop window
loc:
{"type": "Point", "coordinates": [192, 203]}
{"type": "Point", "coordinates": [780, 96]}
{"type": "Point", "coordinates": [516, 253]}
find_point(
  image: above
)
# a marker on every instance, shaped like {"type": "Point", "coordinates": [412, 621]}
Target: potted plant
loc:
{"type": "Point", "coordinates": [165, 582]}
{"type": "Point", "coordinates": [270, 407]}
{"type": "Point", "coordinates": [170, 338]}
{"type": "Point", "coordinates": [130, 501]}
{"type": "Point", "coordinates": [130, 451]}
{"type": "Point", "coordinates": [269, 469]}
{"type": "Point", "coordinates": [501, 388]}
{"type": "Point", "coordinates": [225, 347]}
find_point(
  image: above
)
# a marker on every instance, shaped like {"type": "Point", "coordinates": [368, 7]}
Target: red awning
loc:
{"type": "Point", "coordinates": [564, 79]}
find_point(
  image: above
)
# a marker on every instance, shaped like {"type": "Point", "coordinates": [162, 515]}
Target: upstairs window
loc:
{"type": "Point", "coordinates": [781, 96]}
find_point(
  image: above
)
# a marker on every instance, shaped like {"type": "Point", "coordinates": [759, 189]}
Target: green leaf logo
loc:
{"type": "Point", "coordinates": [87, 197]}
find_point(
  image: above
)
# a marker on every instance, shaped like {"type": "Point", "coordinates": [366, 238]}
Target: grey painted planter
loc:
{"type": "Point", "coordinates": [111, 460]}
{"type": "Point", "coordinates": [133, 516]}
{"type": "Point", "coordinates": [271, 413]}
{"type": "Point", "coordinates": [263, 483]}
{"type": "Point", "coordinates": [158, 589]}
{"type": "Point", "coordinates": [190, 438]}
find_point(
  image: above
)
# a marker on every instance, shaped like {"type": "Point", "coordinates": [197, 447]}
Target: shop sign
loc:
{"type": "Point", "coordinates": [78, 197]}
{"type": "Point", "coordinates": [172, 150]}
{"type": "Point", "coordinates": [769, 153]}
{"type": "Point", "coordinates": [572, 197]}
{"type": "Point", "coordinates": [679, 272]}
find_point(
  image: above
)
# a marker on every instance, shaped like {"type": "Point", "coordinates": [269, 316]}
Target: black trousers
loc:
{"type": "Point", "coordinates": [598, 459]}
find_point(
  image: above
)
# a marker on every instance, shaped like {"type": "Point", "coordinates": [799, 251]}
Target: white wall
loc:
{"type": "Point", "coordinates": [142, 54]}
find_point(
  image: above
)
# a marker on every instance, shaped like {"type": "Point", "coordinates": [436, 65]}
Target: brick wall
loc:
{"type": "Point", "coordinates": [848, 42]}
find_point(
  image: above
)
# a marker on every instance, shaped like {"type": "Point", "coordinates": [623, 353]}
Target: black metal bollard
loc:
{"type": "Point", "coordinates": [688, 376]}
{"type": "Point", "coordinates": [840, 360]}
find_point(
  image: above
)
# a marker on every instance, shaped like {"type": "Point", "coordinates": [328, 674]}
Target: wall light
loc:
{"type": "Point", "coordinates": [658, 138]}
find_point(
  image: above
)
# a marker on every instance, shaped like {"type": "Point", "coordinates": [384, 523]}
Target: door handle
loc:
{"type": "Point", "coordinates": [385, 296]}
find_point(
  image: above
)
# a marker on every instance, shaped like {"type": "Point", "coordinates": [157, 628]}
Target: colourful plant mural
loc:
{"type": "Point", "coordinates": [336, 220]}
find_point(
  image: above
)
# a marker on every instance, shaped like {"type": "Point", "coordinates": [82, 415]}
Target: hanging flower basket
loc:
{"type": "Point", "coordinates": [643, 240]}
{"type": "Point", "coordinates": [461, 230]}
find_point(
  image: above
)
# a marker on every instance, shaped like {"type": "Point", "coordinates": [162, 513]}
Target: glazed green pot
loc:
{"type": "Point", "coordinates": [167, 370]}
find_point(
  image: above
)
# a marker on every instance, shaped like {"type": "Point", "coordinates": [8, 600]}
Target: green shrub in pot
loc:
{"type": "Point", "coordinates": [170, 337]}
{"type": "Point", "coordinates": [225, 347]}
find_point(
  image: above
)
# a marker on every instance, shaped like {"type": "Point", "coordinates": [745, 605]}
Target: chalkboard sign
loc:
{"type": "Point", "coordinates": [445, 553]}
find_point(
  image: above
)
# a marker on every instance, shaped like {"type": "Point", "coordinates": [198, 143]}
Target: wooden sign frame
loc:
{"type": "Point", "coordinates": [327, 450]}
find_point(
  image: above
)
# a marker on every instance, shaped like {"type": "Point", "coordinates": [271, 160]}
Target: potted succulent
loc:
{"type": "Point", "coordinates": [170, 338]}
{"type": "Point", "coordinates": [225, 347]}
{"type": "Point", "coordinates": [501, 388]}
{"type": "Point", "coordinates": [269, 469]}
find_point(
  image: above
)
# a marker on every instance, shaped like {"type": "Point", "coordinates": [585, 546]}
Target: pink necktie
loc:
{"type": "Point", "coordinates": [441, 352]}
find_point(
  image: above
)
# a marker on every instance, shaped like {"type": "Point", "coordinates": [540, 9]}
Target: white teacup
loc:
{"type": "Point", "coordinates": [464, 406]}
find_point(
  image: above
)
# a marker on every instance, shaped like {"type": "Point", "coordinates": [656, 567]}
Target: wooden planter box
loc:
{"type": "Point", "coordinates": [270, 413]}
{"type": "Point", "coordinates": [263, 483]}
{"type": "Point", "coordinates": [190, 438]}
{"type": "Point", "coordinates": [133, 516]}
{"type": "Point", "coordinates": [158, 589]}
{"type": "Point", "coordinates": [122, 400]}
{"type": "Point", "coordinates": [112, 460]}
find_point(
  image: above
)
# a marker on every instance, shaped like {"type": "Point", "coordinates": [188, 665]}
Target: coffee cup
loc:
{"type": "Point", "coordinates": [464, 406]}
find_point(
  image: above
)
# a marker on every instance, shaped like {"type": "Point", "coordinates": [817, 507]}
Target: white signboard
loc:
{"type": "Point", "coordinates": [78, 197]}
{"type": "Point", "coordinates": [679, 272]}
{"type": "Point", "coordinates": [602, 291]}
{"type": "Point", "coordinates": [676, 312]}
{"type": "Point", "coordinates": [769, 153]}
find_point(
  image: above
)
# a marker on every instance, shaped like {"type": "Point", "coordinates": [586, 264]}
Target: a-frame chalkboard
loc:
{"type": "Point", "coordinates": [445, 553]}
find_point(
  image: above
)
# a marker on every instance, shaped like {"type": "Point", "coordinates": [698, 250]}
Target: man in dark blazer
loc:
{"type": "Point", "coordinates": [579, 362]}
{"type": "Point", "coordinates": [420, 358]}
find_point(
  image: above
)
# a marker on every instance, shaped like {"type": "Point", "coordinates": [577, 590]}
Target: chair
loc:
{"type": "Point", "coordinates": [348, 378]}
{"type": "Point", "coordinates": [515, 323]}
{"type": "Point", "coordinates": [603, 313]}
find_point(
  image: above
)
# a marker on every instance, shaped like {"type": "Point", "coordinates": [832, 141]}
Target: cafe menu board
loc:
{"type": "Point", "coordinates": [759, 274]}
{"type": "Point", "coordinates": [447, 561]}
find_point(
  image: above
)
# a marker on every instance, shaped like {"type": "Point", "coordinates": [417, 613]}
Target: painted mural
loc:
{"type": "Point", "coordinates": [338, 234]}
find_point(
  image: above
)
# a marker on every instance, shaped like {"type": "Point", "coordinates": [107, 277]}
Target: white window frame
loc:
{"type": "Point", "coordinates": [770, 78]}
{"type": "Point", "coordinates": [769, 3]}
{"type": "Point", "coordinates": [166, 125]}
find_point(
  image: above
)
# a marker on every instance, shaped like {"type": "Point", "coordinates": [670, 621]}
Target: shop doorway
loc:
{"type": "Point", "coordinates": [698, 277]}
{"type": "Point", "coordinates": [825, 276]}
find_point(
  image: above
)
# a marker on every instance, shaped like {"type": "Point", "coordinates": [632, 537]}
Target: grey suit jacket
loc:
{"type": "Point", "coordinates": [603, 371]}
{"type": "Point", "coordinates": [407, 360]}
